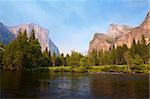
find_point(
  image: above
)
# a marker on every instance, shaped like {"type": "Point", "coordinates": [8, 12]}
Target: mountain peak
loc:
{"type": "Point", "coordinates": [1, 24]}
{"type": "Point", "coordinates": [146, 22]}
{"type": "Point", "coordinates": [117, 35]}
{"type": "Point", "coordinates": [148, 16]}
{"type": "Point", "coordinates": [41, 34]}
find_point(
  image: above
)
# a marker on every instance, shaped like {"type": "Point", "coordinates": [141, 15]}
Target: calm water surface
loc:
{"type": "Point", "coordinates": [47, 85]}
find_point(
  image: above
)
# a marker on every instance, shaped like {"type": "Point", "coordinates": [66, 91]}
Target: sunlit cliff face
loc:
{"type": "Point", "coordinates": [118, 35]}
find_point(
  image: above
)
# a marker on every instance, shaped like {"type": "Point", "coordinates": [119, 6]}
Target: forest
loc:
{"type": "Point", "coordinates": [25, 53]}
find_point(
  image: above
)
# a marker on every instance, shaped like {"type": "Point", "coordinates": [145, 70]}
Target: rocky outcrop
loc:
{"type": "Point", "coordinates": [117, 35]}
{"type": "Point", "coordinates": [41, 34]}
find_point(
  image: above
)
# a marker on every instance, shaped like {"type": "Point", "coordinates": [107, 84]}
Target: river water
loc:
{"type": "Point", "coordinates": [49, 85]}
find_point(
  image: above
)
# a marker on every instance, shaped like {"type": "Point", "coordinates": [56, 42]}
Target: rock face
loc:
{"type": "Point", "coordinates": [41, 34]}
{"type": "Point", "coordinates": [118, 35]}
{"type": "Point", "coordinates": [5, 35]}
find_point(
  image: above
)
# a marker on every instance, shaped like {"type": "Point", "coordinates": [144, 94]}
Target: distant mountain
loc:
{"type": "Point", "coordinates": [118, 35]}
{"type": "Point", "coordinates": [7, 34]}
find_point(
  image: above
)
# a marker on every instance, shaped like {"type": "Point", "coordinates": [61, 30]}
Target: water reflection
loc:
{"type": "Point", "coordinates": [123, 86]}
{"type": "Point", "coordinates": [68, 85]}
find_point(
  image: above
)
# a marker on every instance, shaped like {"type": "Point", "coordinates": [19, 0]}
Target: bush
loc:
{"type": "Point", "coordinates": [115, 69]}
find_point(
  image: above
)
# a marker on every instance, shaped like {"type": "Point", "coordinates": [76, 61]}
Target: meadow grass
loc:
{"type": "Point", "coordinates": [98, 69]}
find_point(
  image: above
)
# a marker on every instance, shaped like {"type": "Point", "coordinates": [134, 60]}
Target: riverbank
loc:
{"type": "Point", "coordinates": [97, 69]}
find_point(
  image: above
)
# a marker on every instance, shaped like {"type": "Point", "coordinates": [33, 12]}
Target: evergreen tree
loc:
{"type": "Point", "coordinates": [67, 59]}
{"type": "Point", "coordinates": [75, 58]}
{"type": "Point", "coordinates": [50, 58]}
{"type": "Point", "coordinates": [62, 59]}
{"type": "Point", "coordinates": [93, 57]}
{"type": "Point", "coordinates": [53, 59]}
{"type": "Point", "coordinates": [34, 56]}
{"type": "Point", "coordinates": [18, 60]}
{"type": "Point", "coordinates": [1, 53]}
{"type": "Point", "coordinates": [22, 53]}
{"type": "Point", "coordinates": [128, 58]}
{"type": "Point", "coordinates": [105, 58]}
{"type": "Point", "coordinates": [58, 61]}
{"type": "Point", "coordinates": [99, 57]}
{"type": "Point", "coordinates": [46, 57]}
{"type": "Point", "coordinates": [143, 42]}
{"type": "Point", "coordinates": [134, 49]}
{"type": "Point", "coordinates": [8, 55]}
{"type": "Point", "coordinates": [144, 50]}
{"type": "Point", "coordinates": [119, 54]}
{"type": "Point", "coordinates": [84, 61]}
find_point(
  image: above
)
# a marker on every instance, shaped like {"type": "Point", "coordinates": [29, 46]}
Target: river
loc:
{"type": "Point", "coordinates": [49, 85]}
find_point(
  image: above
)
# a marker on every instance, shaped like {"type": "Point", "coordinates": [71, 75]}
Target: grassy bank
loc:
{"type": "Point", "coordinates": [97, 69]}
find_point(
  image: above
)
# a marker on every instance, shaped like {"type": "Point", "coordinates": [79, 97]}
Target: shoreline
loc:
{"type": "Point", "coordinates": [108, 69]}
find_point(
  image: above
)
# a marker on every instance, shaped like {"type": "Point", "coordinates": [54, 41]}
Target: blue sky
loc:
{"type": "Point", "coordinates": [72, 23]}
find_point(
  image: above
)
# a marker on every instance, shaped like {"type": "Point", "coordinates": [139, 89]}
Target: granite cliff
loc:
{"type": "Point", "coordinates": [8, 33]}
{"type": "Point", "coordinates": [118, 35]}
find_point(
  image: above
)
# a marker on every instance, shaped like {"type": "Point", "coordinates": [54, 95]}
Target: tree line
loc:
{"type": "Point", "coordinates": [24, 52]}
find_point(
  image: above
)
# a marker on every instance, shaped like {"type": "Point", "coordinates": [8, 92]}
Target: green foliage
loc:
{"type": "Point", "coordinates": [84, 61]}
{"type": "Point", "coordinates": [105, 58]}
{"type": "Point", "coordinates": [93, 58]}
{"type": "Point", "coordinates": [58, 61]}
{"type": "Point", "coordinates": [67, 60]}
{"type": "Point", "coordinates": [134, 62]}
{"type": "Point", "coordinates": [46, 57]}
{"type": "Point", "coordinates": [115, 69]}
{"type": "Point", "coordinates": [23, 53]}
{"type": "Point", "coordinates": [119, 58]}
{"type": "Point", "coordinates": [128, 58]}
{"type": "Point", "coordinates": [1, 53]}
{"type": "Point", "coordinates": [18, 60]}
{"type": "Point", "coordinates": [137, 60]}
{"type": "Point", "coordinates": [54, 59]}
{"type": "Point", "coordinates": [94, 69]}
{"type": "Point", "coordinates": [73, 59]}
{"type": "Point", "coordinates": [62, 59]}
{"type": "Point", "coordinates": [8, 55]}
{"type": "Point", "coordinates": [140, 49]}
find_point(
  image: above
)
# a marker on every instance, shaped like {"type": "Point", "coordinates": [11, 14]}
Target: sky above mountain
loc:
{"type": "Point", "coordinates": [72, 23]}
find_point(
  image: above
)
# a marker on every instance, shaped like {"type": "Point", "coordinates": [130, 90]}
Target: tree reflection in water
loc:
{"type": "Point", "coordinates": [120, 86]}
{"type": "Point", "coordinates": [29, 84]}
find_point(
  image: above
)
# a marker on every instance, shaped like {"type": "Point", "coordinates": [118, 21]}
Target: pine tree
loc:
{"type": "Point", "coordinates": [53, 59]}
{"type": "Point", "coordinates": [46, 57]}
{"type": "Point", "coordinates": [93, 57]}
{"type": "Point", "coordinates": [67, 60]}
{"type": "Point", "coordinates": [144, 50]}
{"type": "Point", "coordinates": [1, 53]}
{"type": "Point", "coordinates": [22, 53]}
{"type": "Point", "coordinates": [34, 52]}
{"type": "Point", "coordinates": [62, 59]}
{"type": "Point", "coordinates": [133, 48]}
{"type": "Point", "coordinates": [50, 58]}
{"type": "Point", "coordinates": [75, 58]}
{"type": "Point", "coordinates": [9, 54]}
{"type": "Point", "coordinates": [143, 42]}
{"type": "Point", "coordinates": [18, 60]}
{"type": "Point", "coordinates": [84, 61]}
{"type": "Point", "coordinates": [58, 61]}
